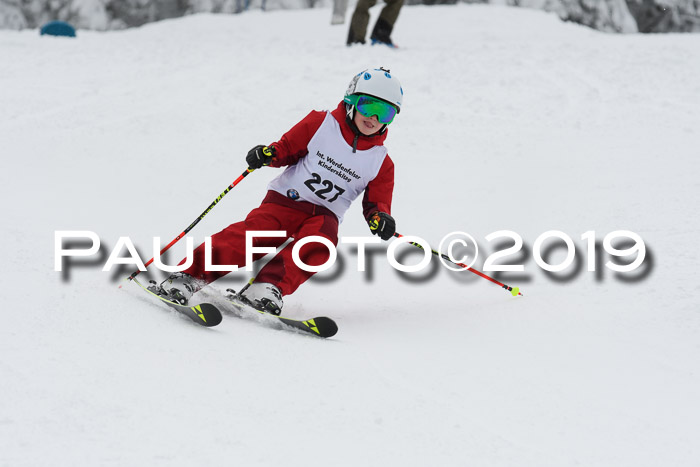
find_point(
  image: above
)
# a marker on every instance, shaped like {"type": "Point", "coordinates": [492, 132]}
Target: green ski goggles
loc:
{"type": "Point", "coordinates": [368, 106]}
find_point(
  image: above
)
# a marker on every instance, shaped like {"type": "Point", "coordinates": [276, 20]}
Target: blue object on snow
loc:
{"type": "Point", "coordinates": [58, 28]}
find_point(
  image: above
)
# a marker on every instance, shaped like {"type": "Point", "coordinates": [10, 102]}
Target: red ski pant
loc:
{"type": "Point", "coordinates": [228, 246]}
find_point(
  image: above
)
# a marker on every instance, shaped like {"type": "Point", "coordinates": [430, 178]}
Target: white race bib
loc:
{"type": "Point", "coordinates": [330, 175]}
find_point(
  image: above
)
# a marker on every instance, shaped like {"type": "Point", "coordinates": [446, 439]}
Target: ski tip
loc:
{"type": "Point", "coordinates": [326, 327]}
{"type": "Point", "coordinates": [319, 327]}
{"type": "Point", "coordinates": [206, 314]}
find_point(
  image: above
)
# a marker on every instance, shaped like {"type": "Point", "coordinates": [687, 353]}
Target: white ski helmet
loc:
{"type": "Point", "coordinates": [377, 83]}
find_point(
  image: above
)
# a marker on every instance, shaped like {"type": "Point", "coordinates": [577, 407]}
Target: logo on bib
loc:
{"type": "Point", "coordinates": [293, 194]}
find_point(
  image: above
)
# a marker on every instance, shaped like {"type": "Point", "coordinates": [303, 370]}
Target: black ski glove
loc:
{"type": "Point", "coordinates": [260, 155]}
{"type": "Point", "coordinates": [382, 224]}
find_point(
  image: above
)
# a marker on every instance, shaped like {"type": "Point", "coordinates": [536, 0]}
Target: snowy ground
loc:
{"type": "Point", "coordinates": [512, 120]}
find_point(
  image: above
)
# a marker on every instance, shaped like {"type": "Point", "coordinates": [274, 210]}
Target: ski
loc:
{"type": "Point", "coordinates": [204, 314]}
{"type": "Point", "coordinates": [320, 327]}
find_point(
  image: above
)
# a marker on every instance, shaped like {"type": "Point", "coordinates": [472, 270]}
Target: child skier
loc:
{"type": "Point", "coordinates": [331, 157]}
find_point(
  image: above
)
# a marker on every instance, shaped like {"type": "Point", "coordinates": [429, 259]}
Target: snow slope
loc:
{"type": "Point", "coordinates": [512, 120]}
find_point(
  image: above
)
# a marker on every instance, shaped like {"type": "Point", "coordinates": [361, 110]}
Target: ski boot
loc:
{"type": "Point", "coordinates": [263, 297]}
{"type": "Point", "coordinates": [178, 288]}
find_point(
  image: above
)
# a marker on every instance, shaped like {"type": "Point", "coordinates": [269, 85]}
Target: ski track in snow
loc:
{"type": "Point", "coordinates": [512, 120]}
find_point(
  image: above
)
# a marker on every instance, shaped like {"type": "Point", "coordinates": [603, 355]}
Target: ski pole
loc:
{"type": "Point", "coordinates": [196, 221]}
{"type": "Point", "coordinates": [515, 291]}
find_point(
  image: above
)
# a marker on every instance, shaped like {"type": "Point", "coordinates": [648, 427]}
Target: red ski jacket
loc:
{"type": "Point", "coordinates": [293, 146]}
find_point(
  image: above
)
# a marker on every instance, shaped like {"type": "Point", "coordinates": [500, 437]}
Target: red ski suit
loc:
{"type": "Point", "coordinates": [297, 218]}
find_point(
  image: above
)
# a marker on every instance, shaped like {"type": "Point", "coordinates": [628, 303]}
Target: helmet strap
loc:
{"type": "Point", "coordinates": [350, 118]}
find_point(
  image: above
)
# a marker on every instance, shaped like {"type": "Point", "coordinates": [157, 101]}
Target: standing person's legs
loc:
{"type": "Point", "coordinates": [359, 21]}
{"type": "Point", "coordinates": [385, 23]}
{"type": "Point", "coordinates": [339, 9]}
